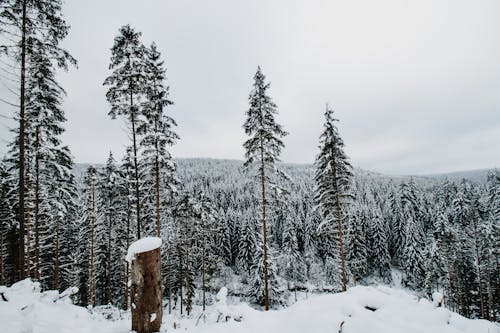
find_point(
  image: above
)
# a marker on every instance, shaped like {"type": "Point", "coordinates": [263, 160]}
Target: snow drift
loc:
{"type": "Point", "coordinates": [359, 310]}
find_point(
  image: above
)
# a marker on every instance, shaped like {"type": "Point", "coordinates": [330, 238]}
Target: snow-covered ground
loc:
{"type": "Point", "coordinates": [395, 311]}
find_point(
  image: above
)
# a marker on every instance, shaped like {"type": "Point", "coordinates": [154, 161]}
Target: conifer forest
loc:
{"type": "Point", "coordinates": [268, 230]}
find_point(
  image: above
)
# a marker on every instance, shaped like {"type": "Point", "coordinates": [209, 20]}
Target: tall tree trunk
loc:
{"type": "Point", "coordinates": [28, 219]}
{"type": "Point", "coordinates": [181, 274]}
{"type": "Point", "coordinates": [56, 259]}
{"type": "Point", "coordinates": [126, 287]}
{"type": "Point", "coordinates": [264, 226]}
{"type": "Point", "coordinates": [37, 204]}
{"type": "Point", "coordinates": [21, 145]}
{"type": "Point", "coordinates": [478, 267]}
{"type": "Point", "coordinates": [2, 263]}
{"type": "Point", "coordinates": [203, 269]}
{"type": "Point", "coordinates": [91, 236]}
{"type": "Point", "coordinates": [186, 275]}
{"type": "Point", "coordinates": [339, 227]}
{"type": "Point", "coordinates": [108, 273]}
{"type": "Point", "coordinates": [136, 169]}
{"type": "Point", "coordinates": [157, 190]}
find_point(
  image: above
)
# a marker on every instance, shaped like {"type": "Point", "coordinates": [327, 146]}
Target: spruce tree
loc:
{"type": "Point", "coordinates": [261, 151]}
{"type": "Point", "coordinates": [356, 251]}
{"type": "Point", "coordinates": [158, 134]}
{"type": "Point", "coordinates": [333, 182]}
{"type": "Point", "coordinates": [126, 89]}
{"type": "Point", "coordinates": [31, 22]}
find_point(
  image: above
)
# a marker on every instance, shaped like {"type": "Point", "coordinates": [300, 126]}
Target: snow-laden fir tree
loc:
{"type": "Point", "coordinates": [333, 185]}
{"type": "Point", "coordinates": [413, 258]}
{"type": "Point", "coordinates": [158, 134]}
{"type": "Point", "coordinates": [262, 150]}
{"type": "Point", "coordinates": [126, 90]}
{"type": "Point", "coordinates": [247, 247]}
{"type": "Point", "coordinates": [292, 261]}
{"type": "Point", "coordinates": [356, 248]}
{"type": "Point", "coordinates": [29, 23]}
{"type": "Point", "coordinates": [111, 204]}
{"type": "Point", "coordinates": [380, 258]}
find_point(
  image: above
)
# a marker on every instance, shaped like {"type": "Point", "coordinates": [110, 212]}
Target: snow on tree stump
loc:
{"type": "Point", "coordinates": [145, 295]}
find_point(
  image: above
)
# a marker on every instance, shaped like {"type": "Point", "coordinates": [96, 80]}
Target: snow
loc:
{"type": "Point", "coordinates": [395, 311]}
{"type": "Point", "coordinates": [142, 245]}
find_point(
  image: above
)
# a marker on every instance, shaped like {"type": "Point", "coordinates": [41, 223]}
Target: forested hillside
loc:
{"type": "Point", "coordinates": [441, 234]}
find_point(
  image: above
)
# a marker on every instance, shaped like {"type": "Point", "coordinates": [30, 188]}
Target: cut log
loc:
{"type": "Point", "coordinates": [146, 302]}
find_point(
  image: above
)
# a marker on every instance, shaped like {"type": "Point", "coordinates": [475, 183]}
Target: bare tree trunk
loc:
{"type": "Point", "coordinates": [21, 145]}
{"type": "Point", "coordinates": [91, 259]}
{"type": "Point", "coordinates": [2, 264]}
{"type": "Point", "coordinates": [180, 278]}
{"type": "Point", "coordinates": [478, 267]}
{"type": "Point", "coordinates": [264, 227]}
{"type": "Point", "coordinates": [157, 191]}
{"type": "Point", "coordinates": [56, 259]}
{"type": "Point", "coordinates": [136, 168]}
{"type": "Point", "coordinates": [126, 287]}
{"type": "Point", "coordinates": [146, 306]}
{"type": "Point", "coordinates": [28, 220]}
{"type": "Point", "coordinates": [186, 276]}
{"type": "Point", "coordinates": [339, 227]}
{"type": "Point", "coordinates": [37, 204]}
{"type": "Point", "coordinates": [203, 269]}
{"type": "Point", "coordinates": [108, 273]}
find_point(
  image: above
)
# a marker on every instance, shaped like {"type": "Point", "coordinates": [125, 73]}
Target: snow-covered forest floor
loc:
{"type": "Point", "coordinates": [362, 309]}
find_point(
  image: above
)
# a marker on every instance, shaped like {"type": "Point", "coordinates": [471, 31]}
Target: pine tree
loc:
{"type": "Point", "coordinates": [127, 86]}
{"type": "Point", "coordinates": [158, 134]}
{"type": "Point", "coordinates": [262, 150]}
{"type": "Point", "coordinates": [91, 218]}
{"type": "Point", "coordinates": [185, 213]}
{"type": "Point", "coordinates": [31, 22]}
{"type": "Point", "coordinates": [333, 180]}
{"type": "Point", "coordinates": [110, 203]}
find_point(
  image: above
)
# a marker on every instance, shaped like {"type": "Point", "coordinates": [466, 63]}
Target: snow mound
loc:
{"type": "Point", "coordinates": [27, 309]}
{"type": "Point", "coordinates": [142, 245]}
{"type": "Point", "coordinates": [378, 309]}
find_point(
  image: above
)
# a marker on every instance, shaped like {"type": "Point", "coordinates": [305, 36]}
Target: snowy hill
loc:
{"type": "Point", "coordinates": [359, 310]}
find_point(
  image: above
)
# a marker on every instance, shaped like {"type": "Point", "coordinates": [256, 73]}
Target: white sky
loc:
{"type": "Point", "coordinates": [416, 84]}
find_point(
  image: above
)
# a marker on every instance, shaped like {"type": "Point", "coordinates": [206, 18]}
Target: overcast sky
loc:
{"type": "Point", "coordinates": [416, 84]}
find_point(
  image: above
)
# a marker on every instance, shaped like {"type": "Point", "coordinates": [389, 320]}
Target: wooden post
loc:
{"type": "Point", "coordinates": [146, 302]}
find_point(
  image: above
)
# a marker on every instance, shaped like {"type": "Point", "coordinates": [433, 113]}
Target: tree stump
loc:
{"type": "Point", "coordinates": [146, 302]}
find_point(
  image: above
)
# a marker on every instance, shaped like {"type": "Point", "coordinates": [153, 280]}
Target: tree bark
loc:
{"type": "Point", "coordinates": [91, 241]}
{"type": "Point", "coordinates": [136, 169]}
{"type": "Point", "coordinates": [21, 145]}
{"type": "Point", "coordinates": [264, 226]}
{"type": "Point", "coordinates": [127, 273]}
{"type": "Point", "coordinates": [56, 259]}
{"type": "Point", "coordinates": [157, 187]}
{"type": "Point", "coordinates": [28, 219]}
{"type": "Point", "coordinates": [108, 273]}
{"type": "Point", "coordinates": [147, 310]}
{"type": "Point", "coordinates": [2, 265]}
{"type": "Point", "coordinates": [203, 268]}
{"type": "Point", "coordinates": [339, 227]}
{"type": "Point", "coordinates": [37, 204]}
